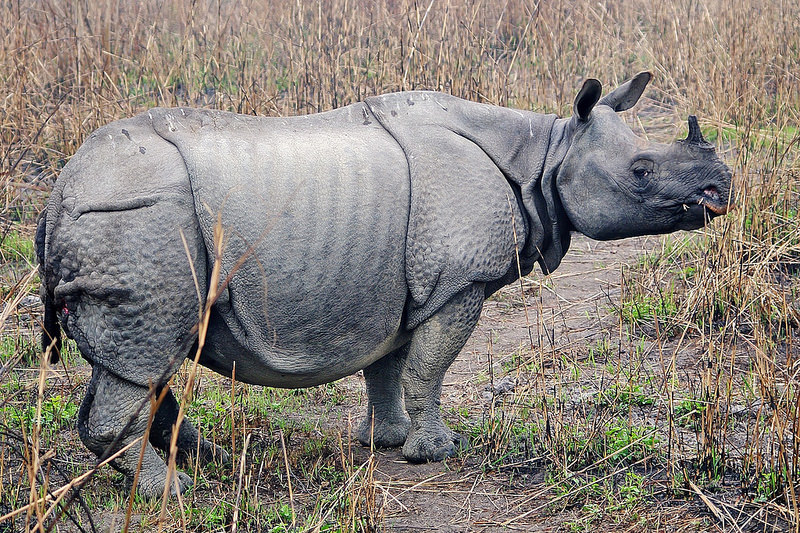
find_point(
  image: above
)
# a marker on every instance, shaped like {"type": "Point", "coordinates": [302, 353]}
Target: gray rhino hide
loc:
{"type": "Point", "coordinates": [468, 163]}
{"type": "Point", "coordinates": [283, 185]}
{"type": "Point", "coordinates": [317, 214]}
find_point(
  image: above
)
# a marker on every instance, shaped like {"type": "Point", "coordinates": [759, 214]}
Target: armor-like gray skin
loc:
{"type": "Point", "coordinates": [366, 237]}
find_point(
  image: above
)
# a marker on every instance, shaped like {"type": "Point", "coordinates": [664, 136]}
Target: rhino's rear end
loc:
{"type": "Point", "coordinates": [115, 271]}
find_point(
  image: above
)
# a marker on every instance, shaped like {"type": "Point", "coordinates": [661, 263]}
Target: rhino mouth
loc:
{"type": "Point", "coordinates": [711, 199]}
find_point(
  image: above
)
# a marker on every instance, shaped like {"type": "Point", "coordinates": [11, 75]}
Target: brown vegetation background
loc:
{"type": "Point", "coordinates": [68, 67]}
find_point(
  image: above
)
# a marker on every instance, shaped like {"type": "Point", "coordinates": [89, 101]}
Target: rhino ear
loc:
{"type": "Point", "coordinates": [587, 98]}
{"type": "Point", "coordinates": [626, 95]}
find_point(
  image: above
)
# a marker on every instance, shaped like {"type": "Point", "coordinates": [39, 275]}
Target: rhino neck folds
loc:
{"type": "Point", "coordinates": [548, 228]}
{"type": "Point", "coordinates": [560, 225]}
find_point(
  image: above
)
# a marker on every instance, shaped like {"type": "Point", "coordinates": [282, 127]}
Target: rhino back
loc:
{"type": "Point", "coordinates": [315, 212]}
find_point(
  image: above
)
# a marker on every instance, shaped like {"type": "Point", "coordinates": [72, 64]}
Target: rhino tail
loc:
{"type": "Point", "coordinates": [51, 329]}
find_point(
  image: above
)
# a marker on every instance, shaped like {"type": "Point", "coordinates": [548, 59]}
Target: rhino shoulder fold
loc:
{"type": "Point", "coordinates": [467, 222]}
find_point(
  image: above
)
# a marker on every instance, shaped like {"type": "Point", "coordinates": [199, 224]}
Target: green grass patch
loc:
{"type": "Point", "coordinates": [57, 413]}
{"type": "Point", "coordinates": [638, 307]}
{"type": "Point", "coordinates": [16, 247]}
{"type": "Point", "coordinates": [624, 395]}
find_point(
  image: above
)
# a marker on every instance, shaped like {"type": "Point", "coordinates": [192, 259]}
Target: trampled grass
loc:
{"type": "Point", "coordinates": [680, 413]}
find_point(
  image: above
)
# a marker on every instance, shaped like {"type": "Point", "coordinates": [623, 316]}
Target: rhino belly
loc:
{"type": "Point", "coordinates": [315, 221]}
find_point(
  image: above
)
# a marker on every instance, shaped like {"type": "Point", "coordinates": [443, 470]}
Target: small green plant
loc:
{"type": "Point", "coordinates": [688, 413]}
{"type": "Point", "coordinates": [689, 272]}
{"type": "Point", "coordinates": [522, 359]}
{"type": "Point", "coordinates": [643, 307]}
{"type": "Point", "coordinates": [278, 517]}
{"type": "Point", "coordinates": [211, 413]}
{"type": "Point", "coordinates": [210, 517]}
{"type": "Point", "coordinates": [632, 491]}
{"type": "Point", "coordinates": [603, 444]}
{"type": "Point", "coordinates": [12, 346]}
{"type": "Point", "coordinates": [770, 484]}
{"type": "Point", "coordinates": [630, 394]}
{"type": "Point", "coordinates": [15, 247]}
{"type": "Point", "coordinates": [56, 413]}
{"type": "Point", "coordinates": [712, 463]}
{"type": "Point", "coordinates": [628, 443]}
{"type": "Point", "coordinates": [615, 499]}
{"type": "Point", "coordinates": [601, 349]}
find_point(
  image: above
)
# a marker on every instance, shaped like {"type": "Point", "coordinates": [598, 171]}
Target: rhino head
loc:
{"type": "Point", "coordinates": [614, 184]}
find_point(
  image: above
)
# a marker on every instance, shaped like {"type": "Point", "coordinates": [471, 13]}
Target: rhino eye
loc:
{"type": "Point", "coordinates": [642, 169]}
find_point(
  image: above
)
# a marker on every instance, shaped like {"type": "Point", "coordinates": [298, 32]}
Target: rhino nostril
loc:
{"type": "Point", "coordinates": [712, 193]}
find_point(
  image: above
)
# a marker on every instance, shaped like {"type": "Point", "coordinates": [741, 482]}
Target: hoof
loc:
{"type": "Point", "coordinates": [209, 453]}
{"type": "Point", "coordinates": [429, 446]}
{"type": "Point", "coordinates": [184, 482]}
{"type": "Point", "coordinates": [385, 434]}
{"type": "Point", "coordinates": [153, 488]}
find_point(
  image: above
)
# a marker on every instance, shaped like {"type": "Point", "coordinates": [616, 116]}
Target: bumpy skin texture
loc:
{"type": "Point", "coordinates": [115, 263]}
{"type": "Point", "coordinates": [362, 238]}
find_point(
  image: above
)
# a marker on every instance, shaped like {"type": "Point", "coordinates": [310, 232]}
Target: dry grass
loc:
{"type": "Point", "coordinates": [716, 444]}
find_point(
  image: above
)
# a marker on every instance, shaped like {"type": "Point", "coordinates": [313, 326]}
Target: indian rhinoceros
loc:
{"type": "Point", "coordinates": [367, 237]}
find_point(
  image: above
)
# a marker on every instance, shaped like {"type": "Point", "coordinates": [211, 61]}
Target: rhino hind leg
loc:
{"type": "Point", "coordinates": [386, 424]}
{"type": "Point", "coordinates": [190, 443]}
{"type": "Point", "coordinates": [434, 346]}
{"type": "Point", "coordinates": [113, 407]}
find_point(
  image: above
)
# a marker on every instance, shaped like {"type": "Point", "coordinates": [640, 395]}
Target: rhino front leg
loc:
{"type": "Point", "coordinates": [188, 436]}
{"type": "Point", "coordinates": [434, 346]}
{"type": "Point", "coordinates": [386, 424]}
{"type": "Point", "coordinates": [109, 405]}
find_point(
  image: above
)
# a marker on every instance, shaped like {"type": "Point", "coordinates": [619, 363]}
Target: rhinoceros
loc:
{"type": "Point", "coordinates": [363, 238]}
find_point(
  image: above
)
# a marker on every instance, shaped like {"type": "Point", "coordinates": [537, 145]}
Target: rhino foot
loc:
{"type": "Point", "coordinates": [151, 484]}
{"type": "Point", "coordinates": [210, 453]}
{"type": "Point", "coordinates": [385, 433]}
{"type": "Point", "coordinates": [188, 436]}
{"type": "Point", "coordinates": [204, 454]}
{"type": "Point", "coordinates": [433, 445]}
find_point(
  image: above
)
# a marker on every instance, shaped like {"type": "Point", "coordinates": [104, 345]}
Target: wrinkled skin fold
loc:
{"type": "Point", "coordinates": [367, 237]}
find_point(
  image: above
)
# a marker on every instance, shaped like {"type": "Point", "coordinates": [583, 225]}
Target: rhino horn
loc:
{"type": "Point", "coordinates": [695, 136]}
